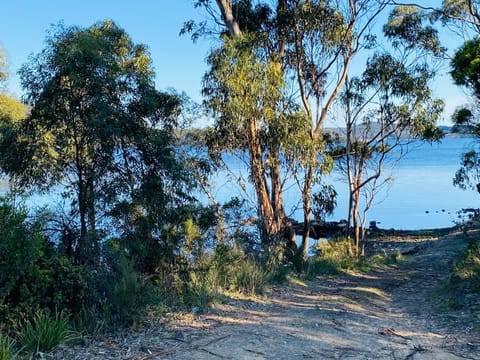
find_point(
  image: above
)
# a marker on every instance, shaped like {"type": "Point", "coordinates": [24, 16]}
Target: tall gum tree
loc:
{"type": "Point", "coordinates": [386, 108]}
{"type": "Point", "coordinates": [92, 102]}
{"type": "Point", "coordinates": [245, 92]}
{"type": "Point", "coordinates": [313, 44]}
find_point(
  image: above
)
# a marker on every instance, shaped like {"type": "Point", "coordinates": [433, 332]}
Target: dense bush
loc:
{"type": "Point", "coordinates": [32, 275]}
{"type": "Point", "coordinates": [39, 281]}
{"type": "Point", "coordinates": [234, 271]}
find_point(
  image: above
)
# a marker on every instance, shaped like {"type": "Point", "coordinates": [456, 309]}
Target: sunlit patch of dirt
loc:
{"type": "Point", "coordinates": [385, 313]}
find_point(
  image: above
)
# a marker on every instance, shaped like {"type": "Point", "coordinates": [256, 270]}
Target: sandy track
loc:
{"type": "Point", "coordinates": [383, 314]}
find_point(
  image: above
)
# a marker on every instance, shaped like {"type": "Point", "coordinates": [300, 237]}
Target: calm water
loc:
{"type": "Point", "coordinates": [421, 196]}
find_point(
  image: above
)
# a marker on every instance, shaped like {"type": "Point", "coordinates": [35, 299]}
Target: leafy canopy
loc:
{"type": "Point", "coordinates": [466, 66]}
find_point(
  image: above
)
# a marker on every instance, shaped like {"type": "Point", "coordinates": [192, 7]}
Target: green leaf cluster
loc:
{"type": "Point", "coordinates": [32, 275]}
{"type": "Point", "coordinates": [406, 28]}
{"type": "Point", "coordinates": [466, 66]}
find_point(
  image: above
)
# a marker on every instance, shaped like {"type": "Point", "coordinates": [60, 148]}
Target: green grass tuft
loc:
{"type": "Point", "coordinates": [43, 333]}
{"type": "Point", "coordinates": [7, 347]}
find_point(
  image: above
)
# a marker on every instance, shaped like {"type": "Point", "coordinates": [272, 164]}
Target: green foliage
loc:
{"type": "Point", "coordinates": [201, 291]}
{"type": "Point", "coordinates": [324, 202]}
{"type": "Point", "coordinates": [7, 348]}
{"type": "Point", "coordinates": [11, 110]}
{"type": "Point", "coordinates": [386, 259]}
{"type": "Point", "coordinates": [232, 271]}
{"type": "Point", "coordinates": [91, 321]}
{"type": "Point", "coordinates": [278, 273]}
{"type": "Point", "coordinates": [462, 116]}
{"type": "Point", "coordinates": [129, 296]}
{"type": "Point", "coordinates": [97, 126]}
{"type": "Point", "coordinates": [32, 275]}
{"type": "Point", "coordinates": [322, 266]}
{"type": "Point", "coordinates": [462, 15]}
{"type": "Point", "coordinates": [464, 279]}
{"type": "Point", "coordinates": [249, 278]}
{"type": "Point", "coordinates": [225, 261]}
{"type": "Point", "coordinates": [332, 257]}
{"type": "Point", "coordinates": [44, 332]}
{"type": "Point", "coordinates": [465, 71]}
{"type": "Point", "coordinates": [242, 88]}
{"type": "Point", "coordinates": [385, 109]}
{"type": "Point", "coordinates": [466, 273]}
{"type": "Point", "coordinates": [466, 66]}
{"type": "Point", "coordinates": [468, 176]}
{"type": "Point", "coordinates": [406, 27]}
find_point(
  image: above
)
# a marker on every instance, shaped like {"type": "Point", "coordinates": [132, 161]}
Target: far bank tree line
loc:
{"type": "Point", "coordinates": [98, 136]}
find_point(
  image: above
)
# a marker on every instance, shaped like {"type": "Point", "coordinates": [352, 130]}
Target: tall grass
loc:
{"type": "Point", "coordinates": [464, 280]}
{"type": "Point", "coordinates": [6, 348]}
{"type": "Point", "coordinates": [332, 258]}
{"type": "Point", "coordinates": [249, 277]}
{"type": "Point", "coordinates": [467, 268]}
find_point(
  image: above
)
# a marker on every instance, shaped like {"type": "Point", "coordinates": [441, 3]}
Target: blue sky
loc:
{"type": "Point", "coordinates": [179, 63]}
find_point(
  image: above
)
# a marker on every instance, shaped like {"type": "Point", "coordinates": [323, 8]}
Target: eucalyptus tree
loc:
{"type": "Point", "coordinates": [313, 44]}
{"type": "Point", "coordinates": [91, 128]}
{"type": "Point", "coordinates": [385, 109]}
{"type": "Point", "coordinates": [462, 16]}
{"type": "Point", "coordinates": [245, 90]}
{"type": "Point", "coordinates": [465, 73]}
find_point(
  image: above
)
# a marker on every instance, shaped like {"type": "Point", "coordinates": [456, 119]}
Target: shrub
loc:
{"type": "Point", "coordinates": [466, 272]}
{"type": "Point", "coordinates": [22, 248]}
{"type": "Point", "coordinates": [128, 296]}
{"type": "Point", "coordinates": [32, 275]}
{"type": "Point", "coordinates": [233, 271]}
{"type": "Point", "coordinates": [91, 321]}
{"type": "Point", "coordinates": [464, 280]}
{"type": "Point", "coordinates": [278, 273]}
{"type": "Point", "coordinates": [201, 292]}
{"type": "Point", "coordinates": [43, 333]}
{"type": "Point", "coordinates": [225, 261]}
{"type": "Point", "coordinates": [332, 258]}
{"type": "Point", "coordinates": [322, 266]}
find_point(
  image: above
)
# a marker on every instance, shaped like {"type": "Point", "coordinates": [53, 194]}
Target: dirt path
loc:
{"type": "Point", "coordinates": [383, 314]}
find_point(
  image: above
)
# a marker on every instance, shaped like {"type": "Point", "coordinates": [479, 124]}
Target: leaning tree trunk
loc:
{"type": "Point", "coordinates": [271, 211]}
{"type": "Point", "coordinates": [270, 224]}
